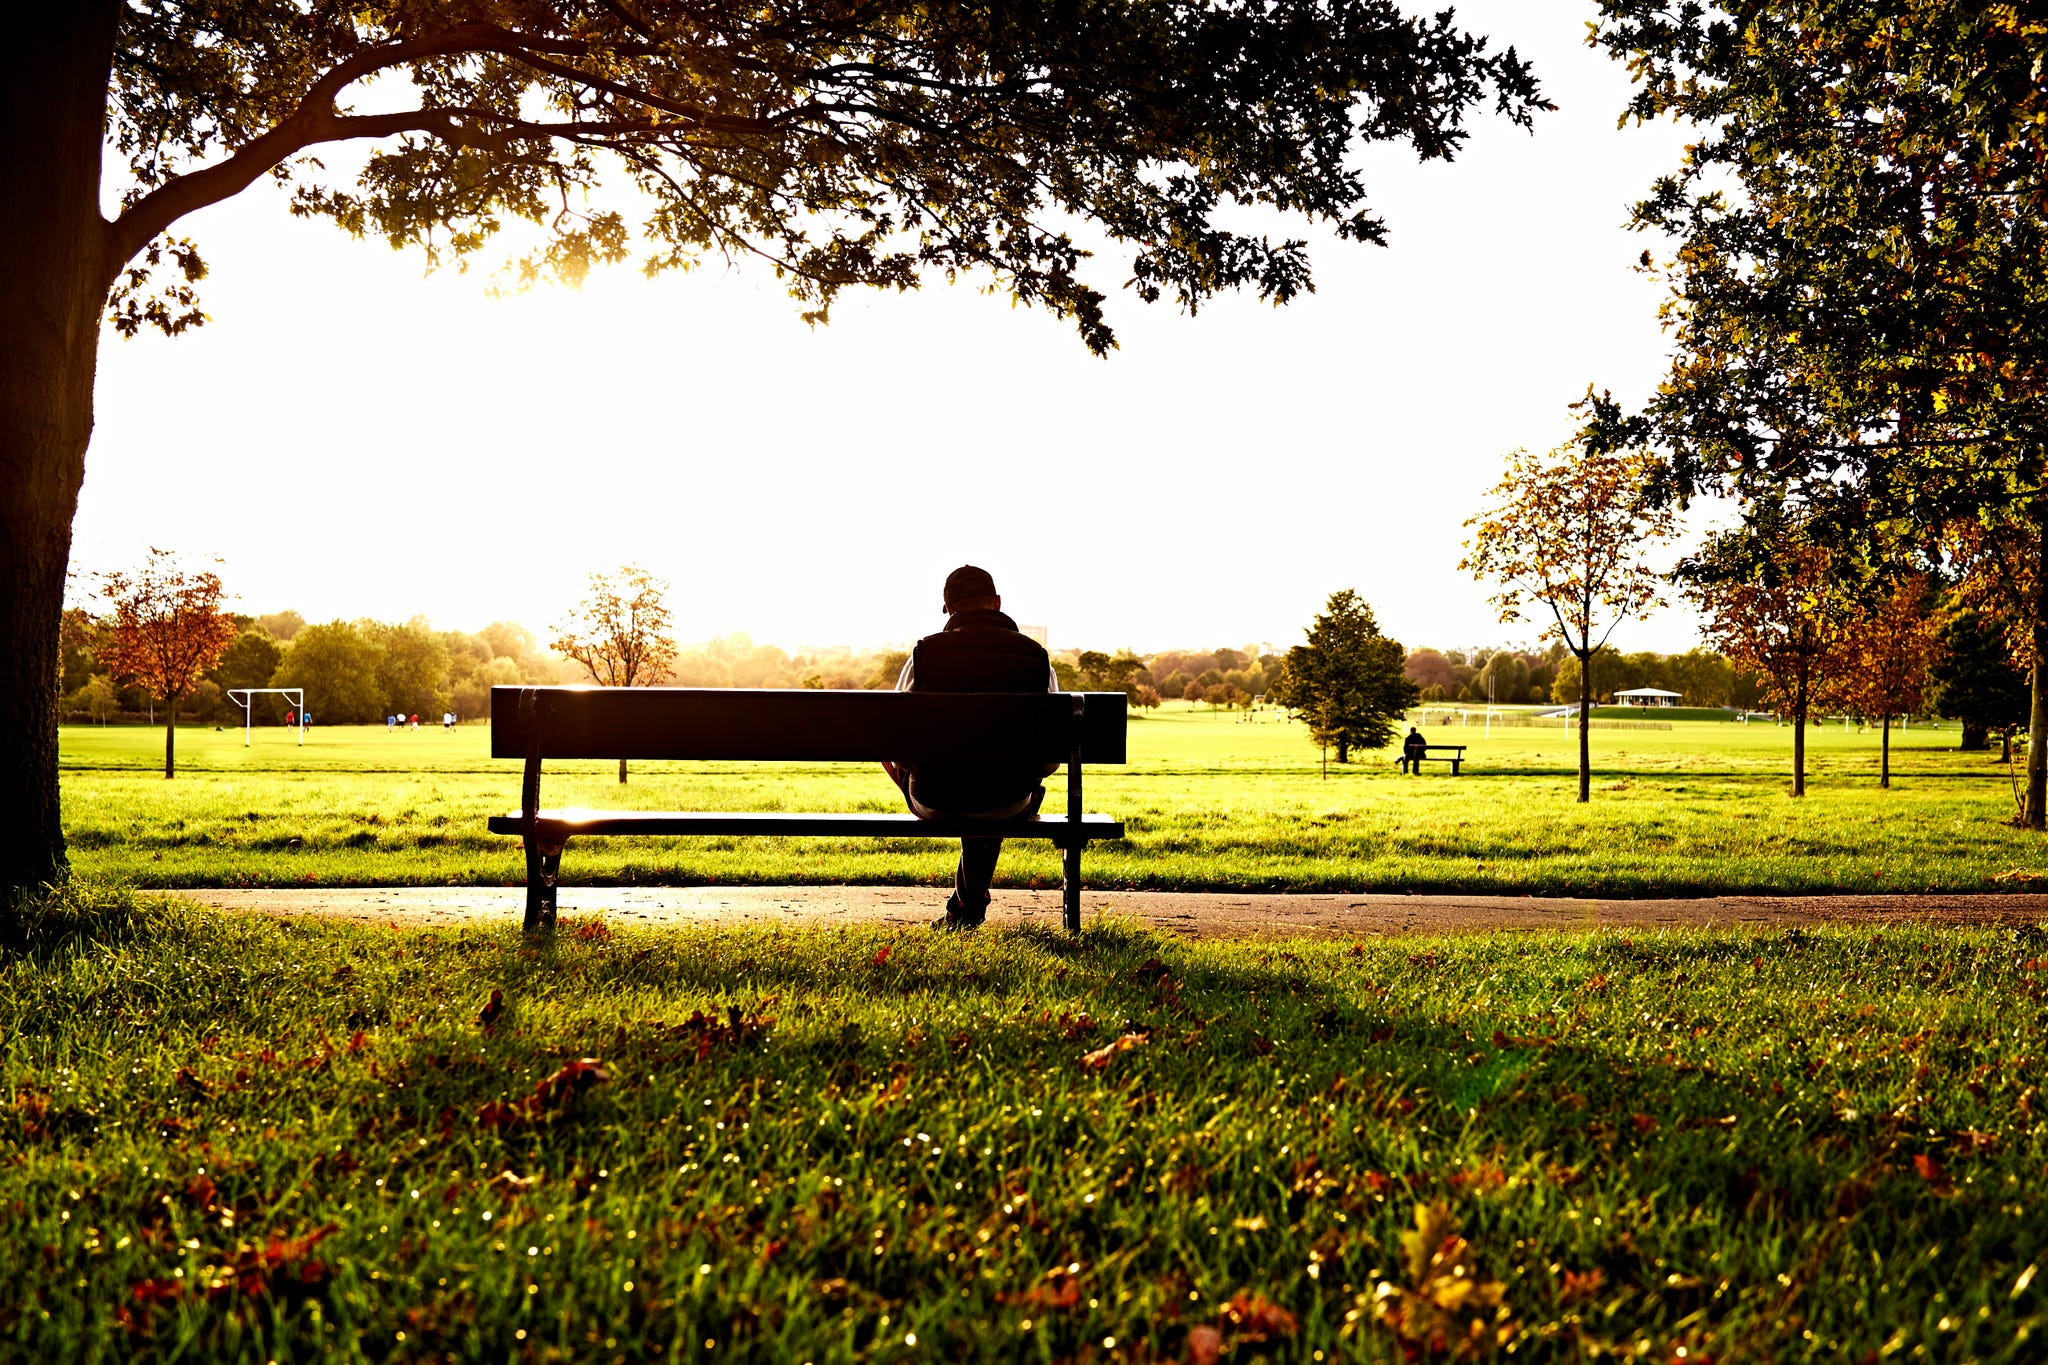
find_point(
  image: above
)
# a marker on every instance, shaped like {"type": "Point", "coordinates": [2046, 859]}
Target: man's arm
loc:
{"type": "Point", "coordinates": [909, 673]}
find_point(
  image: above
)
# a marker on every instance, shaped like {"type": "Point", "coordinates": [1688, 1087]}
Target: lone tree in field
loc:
{"type": "Point", "coordinates": [1789, 623]}
{"type": "Point", "coordinates": [1347, 681]}
{"type": "Point", "coordinates": [878, 142]}
{"type": "Point", "coordinates": [620, 632]}
{"type": "Point", "coordinates": [165, 631]}
{"type": "Point", "coordinates": [1891, 645]}
{"type": "Point", "coordinates": [1569, 533]}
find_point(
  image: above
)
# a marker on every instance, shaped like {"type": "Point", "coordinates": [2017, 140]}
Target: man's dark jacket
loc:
{"type": "Point", "coordinates": [978, 651]}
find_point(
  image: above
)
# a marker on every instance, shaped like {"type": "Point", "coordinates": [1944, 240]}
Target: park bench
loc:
{"type": "Point", "coordinates": [1453, 754]}
{"type": "Point", "coordinates": [733, 724]}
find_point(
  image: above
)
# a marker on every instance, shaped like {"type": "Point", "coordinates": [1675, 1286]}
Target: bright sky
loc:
{"type": "Point", "coordinates": [355, 439]}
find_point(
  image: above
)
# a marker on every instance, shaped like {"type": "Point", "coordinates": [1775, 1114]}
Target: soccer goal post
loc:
{"type": "Point", "coordinates": [245, 696]}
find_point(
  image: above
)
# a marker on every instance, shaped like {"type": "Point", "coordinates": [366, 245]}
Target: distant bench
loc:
{"type": "Point", "coordinates": [536, 723]}
{"type": "Point", "coordinates": [1453, 754]}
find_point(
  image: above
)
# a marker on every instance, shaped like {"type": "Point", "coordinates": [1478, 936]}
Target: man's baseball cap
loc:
{"type": "Point", "coordinates": [967, 583]}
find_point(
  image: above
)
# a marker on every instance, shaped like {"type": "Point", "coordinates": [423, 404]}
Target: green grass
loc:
{"type": "Point", "coordinates": [242, 1139]}
{"type": "Point", "coordinates": [1209, 803]}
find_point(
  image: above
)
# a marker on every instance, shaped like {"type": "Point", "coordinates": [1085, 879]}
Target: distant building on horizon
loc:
{"type": "Point", "coordinates": [1037, 633]}
{"type": "Point", "coordinates": [1647, 696]}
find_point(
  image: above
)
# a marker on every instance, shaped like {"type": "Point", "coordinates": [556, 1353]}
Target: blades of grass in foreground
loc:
{"type": "Point", "coordinates": [240, 1138]}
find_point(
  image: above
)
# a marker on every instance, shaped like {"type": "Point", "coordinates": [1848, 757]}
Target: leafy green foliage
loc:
{"type": "Point", "coordinates": [1348, 681]}
{"type": "Point", "coordinates": [246, 1139]}
{"type": "Point", "coordinates": [869, 143]}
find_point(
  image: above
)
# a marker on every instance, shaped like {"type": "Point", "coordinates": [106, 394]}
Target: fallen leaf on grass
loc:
{"type": "Point", "coordinates": [1930, 1170]}
{"type": "Point", "coordinates": [1101, 1057]}
{"type": "Point", "coordinates": [737, 1029]}
{"type": "Point", "coordinates": [280, 1264]}
{"type": "Point", "coordinates": [555, 1093]}
{"type": "Point", "coordinates": [1446, 1308]}
{"type": "Point", "coordinates": [1205, 1346]}
{"type": "Point", "coordinates": [1256, 1318]}
{"type": "Point", "coordinates": [1643, 1123]}
{"type": "Point", "coordinates": [1595, 984]}
{"type": "Point", "coordinates": [488, 1015]}
{"type": "Point", "coordinates": [1581, 1285]}
{"type": "Point", "coordinates": [1152, 971]}
{"type": "Point", "coordinates": [881, 957]}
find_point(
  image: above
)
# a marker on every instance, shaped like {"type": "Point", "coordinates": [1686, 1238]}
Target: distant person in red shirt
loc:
{"type": "Point", "coordinates": [980, 650]}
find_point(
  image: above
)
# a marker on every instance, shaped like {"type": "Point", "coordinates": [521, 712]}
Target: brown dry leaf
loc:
{"type": "Point", "coordinates": [488, 1015]}
{"type": "Point", "coordinates": [1205, 1346]}
{"type": "Point", "coordinates": [1582, 1285]}
{"type": "Point", "coordinates": [1446, 1308]}
{"type": "Point", "coordinates": [1100, 1058]}
{"type": "Point", "coordinates": [1253, 1317]}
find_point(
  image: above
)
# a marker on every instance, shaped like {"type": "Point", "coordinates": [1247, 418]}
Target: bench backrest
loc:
{"type": "Point", "coordinates": [807, 724]}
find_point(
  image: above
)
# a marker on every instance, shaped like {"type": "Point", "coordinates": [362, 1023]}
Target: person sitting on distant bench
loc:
{"type": "Point", "coordinates": [1412, 750]}
{"type": "Point", "coordinates": [980, 650]}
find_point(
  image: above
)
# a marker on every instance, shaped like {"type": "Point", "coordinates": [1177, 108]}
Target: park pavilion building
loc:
{"type": "Point", "coordinates": [1647, 696]}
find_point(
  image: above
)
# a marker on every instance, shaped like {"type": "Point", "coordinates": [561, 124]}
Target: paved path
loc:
{"type": "Point", "coordinates": [1192, 914]}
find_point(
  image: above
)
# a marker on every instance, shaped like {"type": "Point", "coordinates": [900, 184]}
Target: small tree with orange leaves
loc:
{"type": "Point", "coordinates": [1786, 620]}
{"type": "Point", "coordinates": [620, 632]}
{"type": "Point", "coordinates": [1890, 647]}
{"type": "Point", "coordinates": [1568, 534]}
{"type": "Point", "coordinates": [165, 631]}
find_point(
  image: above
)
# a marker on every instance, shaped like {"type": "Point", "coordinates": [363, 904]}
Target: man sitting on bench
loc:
{"type": "Point", "coordinates": [980, 650]}
{"type": "Point", "coordinates": [1413, 750]}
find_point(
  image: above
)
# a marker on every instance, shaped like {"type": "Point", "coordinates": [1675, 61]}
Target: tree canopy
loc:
{"type": "Point", "coordinates": [865, 142]}
{"type": "Point", "coordinates": [1859, 292]}
{"type": "Point", "coordinates": [855, 142]}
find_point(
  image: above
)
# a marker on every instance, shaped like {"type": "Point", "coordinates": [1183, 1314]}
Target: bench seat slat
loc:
{"type": "Point", "coordinates": [569, 823]}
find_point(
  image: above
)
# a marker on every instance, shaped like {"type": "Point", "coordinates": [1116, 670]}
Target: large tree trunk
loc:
{"type": "Point", "coordinates": [1343, 751]}
{"type": "Point", "coordinates": [1585, 716]}
{"type": "Point", "coordinates": [2037, 716]}
{"type": "Point", "coordinates": [1975, 736]}
{"type": "Point", "coordinates": [53, 282]}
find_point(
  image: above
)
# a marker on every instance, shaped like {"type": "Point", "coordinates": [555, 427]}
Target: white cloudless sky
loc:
{"type": "Point", "coordinates": [353, 437]}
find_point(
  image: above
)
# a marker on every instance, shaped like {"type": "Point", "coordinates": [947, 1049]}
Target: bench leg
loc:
{"type": "Point", "coordinates": [1070, 885]}
{"type": "Point", "coordinates": [543, 876]}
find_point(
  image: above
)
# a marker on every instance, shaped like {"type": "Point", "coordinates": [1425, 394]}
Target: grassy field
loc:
{"type": "Point", "coordinates": [240, 1139]}
{"type": "Point", "coordinates": [1210, 803]}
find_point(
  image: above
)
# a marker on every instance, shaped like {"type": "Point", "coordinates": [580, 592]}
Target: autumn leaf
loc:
{"type": "Point", "coordinates": [488, 1015]}
{"type": "Point", "coordinates": [1101, 1057]}
{"type": "Point", "coordinates": [882, 956]}
{"type": "Point", "coordinates": [1205, 1346]}
{"type": "Point", "coordinates": [1930, 1170]}
{"type": "Point", "coordinates": [1580, 1285]}
{"type": "Point", "coordinates": [1256, 1318]}
{"type": "Point", "coordinates": [1643, 1123]}
{"type": "Point", "coordinates": [1152, 971]}
{"type": "Point", "coordinates": [1446, 1307]}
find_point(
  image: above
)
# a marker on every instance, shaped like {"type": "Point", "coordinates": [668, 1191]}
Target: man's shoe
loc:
{"type": "Point", "coordinates": [957, 919]}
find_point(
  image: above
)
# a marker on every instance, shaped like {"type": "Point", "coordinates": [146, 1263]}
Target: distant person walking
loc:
{"type": "Point", "coordinates": [390, 724]}
{"type": "Point", "coordinates": [980, 650]}
{"type": "Point", "coordinates": [1412, 750]}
